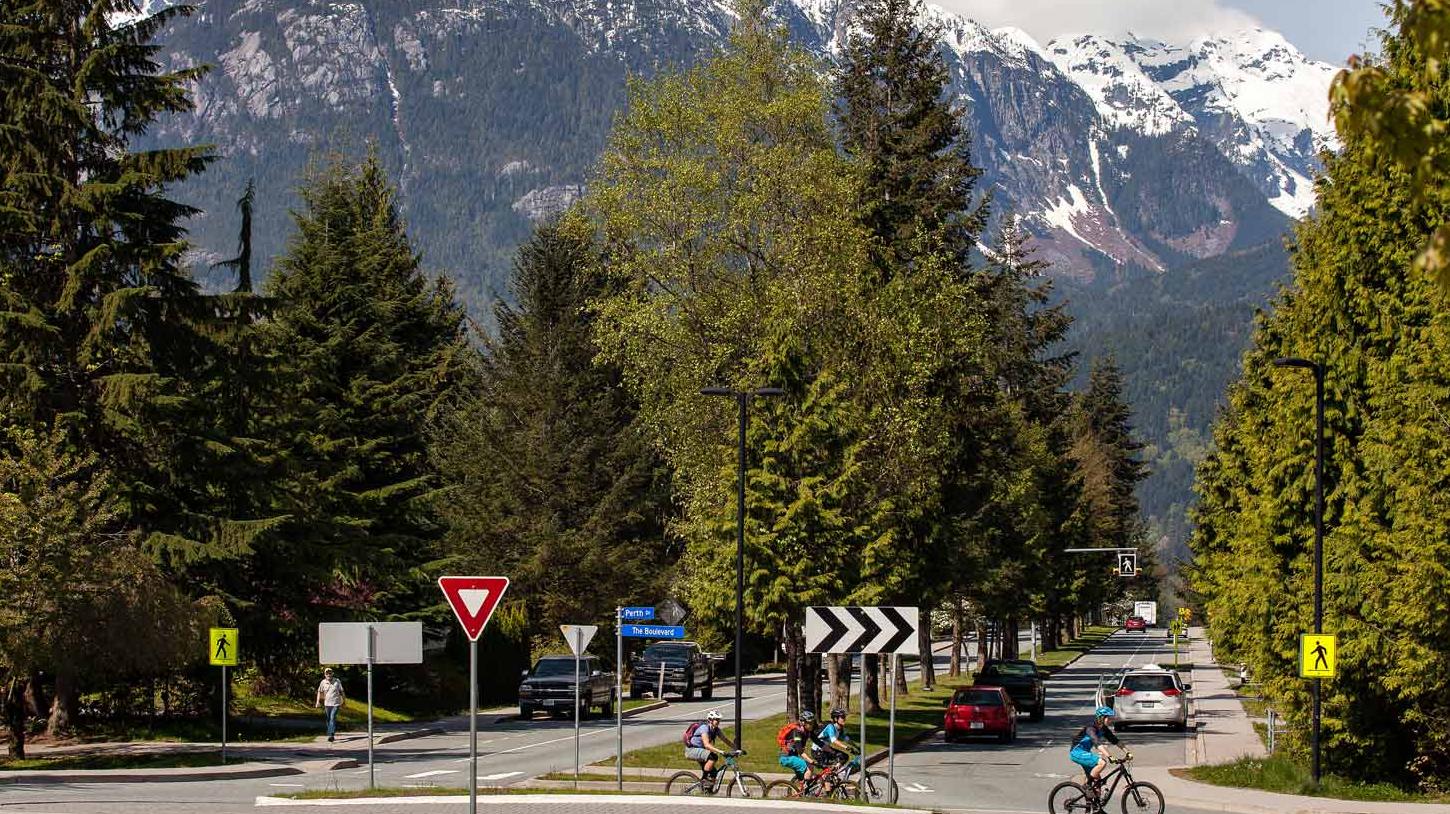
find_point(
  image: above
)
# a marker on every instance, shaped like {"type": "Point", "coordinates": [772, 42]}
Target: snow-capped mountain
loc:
{"type": "Point", "coordinates": [1260, 101]}
{"type": "Point", "coordinates": [1118, 151]}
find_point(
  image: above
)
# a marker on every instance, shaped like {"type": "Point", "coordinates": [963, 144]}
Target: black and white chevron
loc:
{"type": "Point", "coordinates": [855, 629]}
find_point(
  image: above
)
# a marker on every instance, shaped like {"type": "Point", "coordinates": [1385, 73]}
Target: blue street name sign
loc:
{"type": "Point", "coordinates": [637, 614]}
{"type": "Point", "coordinates": [653, 632]}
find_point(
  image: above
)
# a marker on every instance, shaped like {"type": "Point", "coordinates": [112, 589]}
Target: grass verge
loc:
{"type": "Point", "coordinates": [153, 761]}
{"type": "Point", "coordinates": [568, 777]}
{"type": "Point", "coordinates": [1280, 774]}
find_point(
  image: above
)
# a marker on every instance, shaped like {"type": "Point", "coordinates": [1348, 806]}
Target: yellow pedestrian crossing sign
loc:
{"type": "Point", "coordinates": [1317, 653]}
{"type": "Point", "coordinates": [222, 651]}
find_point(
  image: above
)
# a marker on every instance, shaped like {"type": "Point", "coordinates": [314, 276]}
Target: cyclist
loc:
{"type": "Point", "coordinates": [702, 747]}
{"type": "Point", "coordinates": [832, 744]}
{"type": "Point", "coordinates": [795, 752]}
{"type": "Point", "coordinates": [1088, 750]}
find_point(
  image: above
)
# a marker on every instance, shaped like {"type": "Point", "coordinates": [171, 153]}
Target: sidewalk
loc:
{"type": "Point", "coordinates": [1189, 794]}
{"type": "Point", "coordinates": [1225, 732]}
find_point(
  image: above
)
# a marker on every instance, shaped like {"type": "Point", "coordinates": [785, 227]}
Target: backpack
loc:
{"type": "Point", "coordinates": [690, 732]}
{"type": "Point", "coordinates": [783, 735]}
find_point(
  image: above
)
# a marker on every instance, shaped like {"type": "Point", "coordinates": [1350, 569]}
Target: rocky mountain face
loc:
{"type": "Point", "coordinates": [1130, 158]}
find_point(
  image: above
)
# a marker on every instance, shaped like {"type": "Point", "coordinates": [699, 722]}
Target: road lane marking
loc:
{"type": "Point", "coordinates": [433, 773]}
{"type": "Point", "coordinates": [920, 789]}
{"type": "Point", "coordinates": [289, 785]}
{"type": "Point", "coordinates": [499, 776]}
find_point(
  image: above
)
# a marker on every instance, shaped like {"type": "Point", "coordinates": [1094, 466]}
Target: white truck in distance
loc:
{"type": "Point", "coordinates": [1147, 610]}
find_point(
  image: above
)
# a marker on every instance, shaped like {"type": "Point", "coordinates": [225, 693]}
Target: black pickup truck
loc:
{"type": "Point", "coordinates": [1022, 681]}
{"type": "Point", "coordinates": [550, 687]}
{"type": "Point", "coordinates": [682, 667]}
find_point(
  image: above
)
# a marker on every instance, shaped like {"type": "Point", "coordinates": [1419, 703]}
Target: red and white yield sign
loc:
{"type": "Point", "coordinates": [473, 600]}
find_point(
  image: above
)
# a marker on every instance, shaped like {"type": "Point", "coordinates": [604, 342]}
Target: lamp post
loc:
{"type": "Point", "coordinates": [742, 398]}
{"type": "Point", "coordinates": [1318, 370]}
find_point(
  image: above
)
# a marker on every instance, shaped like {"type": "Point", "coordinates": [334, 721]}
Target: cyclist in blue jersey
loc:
{"type": "Point", "coordinates": [832, 744]}
{"type": "Point", "coordinates": [1088, 750]}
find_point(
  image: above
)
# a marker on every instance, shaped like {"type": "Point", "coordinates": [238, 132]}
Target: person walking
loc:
{"type": "Point", "coordinates": [330, 698]}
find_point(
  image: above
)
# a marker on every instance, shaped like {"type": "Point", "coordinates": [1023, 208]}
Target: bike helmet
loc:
{"type": "Point", "coordinates": [712, 715]}
{"type": "Point", "coordinates": [838, 712]}
{"type": "Point", "coordinates": [807, 717]}
{"type": "Point", "coordinates": [1104, 712]}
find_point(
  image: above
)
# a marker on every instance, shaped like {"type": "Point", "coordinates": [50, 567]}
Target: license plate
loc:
{"type": "Point", "coordinates": [976, 725]}
{"type": "Point", "coordinates": [1148, 704]}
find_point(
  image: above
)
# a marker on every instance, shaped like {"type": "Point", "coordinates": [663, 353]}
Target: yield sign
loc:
{"type": "Point", "coordinates": [473, 600]}
{"type": "Point", "coordinates": [578, 636]}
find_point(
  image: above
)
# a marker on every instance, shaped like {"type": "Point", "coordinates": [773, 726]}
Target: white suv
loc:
{"type": "Point", "coordinates": [1150, 695]}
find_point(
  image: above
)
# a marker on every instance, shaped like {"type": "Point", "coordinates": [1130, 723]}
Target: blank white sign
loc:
{"type": "Point", "coordinates": [347, 642]}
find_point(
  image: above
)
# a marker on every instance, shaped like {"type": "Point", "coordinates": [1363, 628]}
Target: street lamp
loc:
{"type": "Point", "coordinates": [1318, 371]}
{"type": "Point", "coordinates": [742, 397]}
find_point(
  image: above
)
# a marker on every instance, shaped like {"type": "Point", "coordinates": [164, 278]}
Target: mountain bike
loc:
{"type": "Point", "coordinates": [742, 784]}
{"type": "Point", "coordinates": [1076, 798]}
{"type": "Point", "coordinates": [840, 782]}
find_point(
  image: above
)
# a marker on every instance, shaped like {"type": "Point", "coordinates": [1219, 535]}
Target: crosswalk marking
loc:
{"type": "Point", "coordinates": [434, 773]}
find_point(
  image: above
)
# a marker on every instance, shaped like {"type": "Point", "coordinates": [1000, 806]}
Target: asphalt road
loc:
{"type": "Point", "coordinates": [952, 777]}
{"type": "Point", "coordinates": [984, 776]}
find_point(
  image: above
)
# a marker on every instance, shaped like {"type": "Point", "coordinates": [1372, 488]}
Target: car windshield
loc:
{"type": "Point", "coordinates": [1010, 669]}
{"type": "Point", "coordinates": [666, 652]}
{"type": "Point", "coordinates": [552, 668]}
{"type": "Point", "coordinates": [977, 698]}
{"type": "Point", "coordinates": [1148, 683]}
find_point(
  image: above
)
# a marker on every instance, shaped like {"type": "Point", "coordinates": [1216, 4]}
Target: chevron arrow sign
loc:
{"type": "Point", "coordinates": [862, 630]}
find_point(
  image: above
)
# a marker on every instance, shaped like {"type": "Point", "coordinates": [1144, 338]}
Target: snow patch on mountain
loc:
{"type": "Point", "coordinates": [1123, 94]}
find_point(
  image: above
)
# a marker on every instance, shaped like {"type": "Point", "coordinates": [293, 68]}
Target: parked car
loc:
{"type": "Point", "coordinates": [681, 667]}
{"type": "Point", "coordinates": [1150, 695]}
{"type": "Point", "coordinates": [1137, 623]}
{"type": "Point", "coordinates": [550, 687]}
{"type": "Point", "coordinates": [1022, 681]}
{"type": "Point", "coordinates": [981, 710]}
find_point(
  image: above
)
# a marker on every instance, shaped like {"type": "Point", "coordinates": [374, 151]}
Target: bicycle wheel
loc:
{"type": "Point", "coordinates": [746, 784]}
{"type": "Point", "coordinates": [1142, 798]}
{"type": "Point", "coordinates": [876, 787]}
{"type": "Point", "coordinates": [1068, 798]}
{"type": "Point", "coordinates": [684, 783]}
{"type": "Point", "coordinates": [783, 790]}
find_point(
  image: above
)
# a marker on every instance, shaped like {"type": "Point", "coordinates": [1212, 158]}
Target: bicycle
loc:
{"type": "Point", "coordinates": [839, 782]}
{"type": "Point", "coordinates": [1138, 797]}
{"type": "Point", "coordinates": [746, 784]}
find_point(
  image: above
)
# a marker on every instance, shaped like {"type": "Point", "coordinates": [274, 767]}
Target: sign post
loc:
{"type": "Point", "coordinates": [473, 600]}
{"type": "Point", "coordinates": [222, 651]}
{"type": "Point", "coordinates": [883, 630]}
{"type": "Point", "coordinates": [578, 637]}
{"type": "Point", "coordinates": [370, 643]}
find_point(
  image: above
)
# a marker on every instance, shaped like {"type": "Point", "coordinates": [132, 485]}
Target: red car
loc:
{"type": "Point", "coordinates": [979, 710]}
{"type": "Point", "coordinates": [1137, 623]}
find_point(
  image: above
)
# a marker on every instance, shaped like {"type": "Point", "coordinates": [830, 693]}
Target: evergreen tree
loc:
{"type": "Point", "coordinates": [549, 477]}
{"type": "Point", "coordinates": [374, 350]}
{"type": "Point", "coordinates": [899, 124]}
{"type": "Point", "coordinates": [1381, 333]}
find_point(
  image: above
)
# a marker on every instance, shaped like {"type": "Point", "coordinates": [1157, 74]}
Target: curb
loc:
{"type": "Point", "coordinates": [409, 735]}
{"type": "Point", "coordinates": [638, 800]}
{"type": "Point", "coordinates": [242, 771]}
{"type": "Point", "coordinates": [1183, 791]}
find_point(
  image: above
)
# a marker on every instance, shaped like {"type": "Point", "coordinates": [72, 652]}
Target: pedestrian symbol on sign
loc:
{"type": "Point", "coordinates": [1128, 564]}
{"type": "Point", "coordinates": [221, 650]}
{"type": "Point", "coordinates": [1320, 662]}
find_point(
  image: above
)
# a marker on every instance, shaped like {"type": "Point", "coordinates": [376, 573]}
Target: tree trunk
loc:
{"type": "Point", "coordinates": [983, 644]}
{"type": "Point", "coordinates": [840, 674]}
{"type": "Point", "coordinates": [63, 706]}
{"type": "Point", "coordinates": [928, 667]}
{"type": "Point", "coordinates": [792, 674]}
{"type": "Point", "coordinates": [1009, 639]}
{"type": "Point", "coordinates": [900, 676]}
{"type": "Point", "coordinates": [13, 706]}
{"type": "Point", "coordinates": [954, 668]}
{"type": "Point", "coordinates": [873, 685]}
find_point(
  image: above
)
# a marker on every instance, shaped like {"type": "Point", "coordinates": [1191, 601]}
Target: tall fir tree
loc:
{"type": "Point", "coordinates": [374, 350]}
{"type": "Point", "coordinates": [549, 477]}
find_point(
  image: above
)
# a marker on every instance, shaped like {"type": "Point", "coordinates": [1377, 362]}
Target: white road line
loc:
{"type": "Point", "coordinates": [433, 773]}
{"type": "Point", "coordinates": [289, 785]}
{"type": "Point", "coordinates": [499, 776]}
